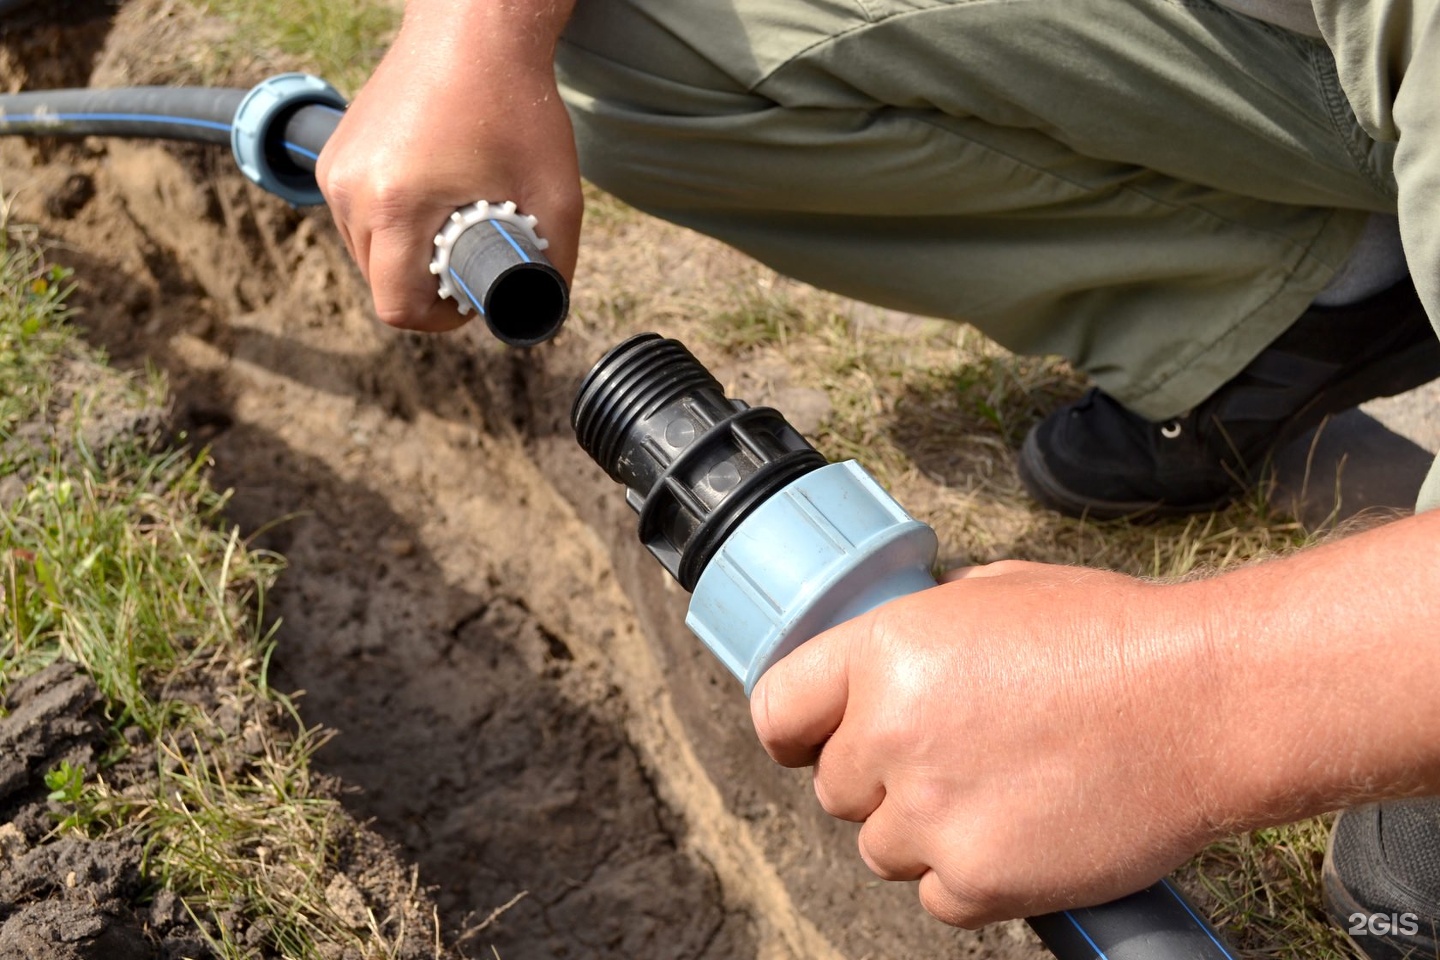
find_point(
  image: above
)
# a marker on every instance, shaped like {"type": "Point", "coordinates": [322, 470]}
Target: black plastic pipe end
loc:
{"type": "Point", "coordinates": [507, 278]}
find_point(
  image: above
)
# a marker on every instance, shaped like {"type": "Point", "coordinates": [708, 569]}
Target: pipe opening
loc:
{"type": "Point", "coordinates": [527, 304]}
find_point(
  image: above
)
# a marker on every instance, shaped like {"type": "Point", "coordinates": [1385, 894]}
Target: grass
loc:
{"type": "Point", "coordinates": [936, 412]}
{"type": "Point", "coordinates": [30, 346]}
{"type": "Point", "coordinates": [1251, 882]}
{"type": "Point", "coordinates": [118, 559]}
{"type": "Point", "coordinates": [340, 41]}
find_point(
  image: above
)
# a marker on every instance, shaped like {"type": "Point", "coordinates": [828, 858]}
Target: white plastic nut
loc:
{"type": "Point", "coordinates": [462, 220]}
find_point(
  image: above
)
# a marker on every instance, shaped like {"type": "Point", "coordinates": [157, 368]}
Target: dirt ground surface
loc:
{"type": "Point", "coordinates": [70, 899]}
{"type": "Point", "coordinates": [520, 708]}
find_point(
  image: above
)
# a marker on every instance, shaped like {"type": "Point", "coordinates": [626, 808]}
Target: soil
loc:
{"type": "Point", "coordinates": [520, 708]}
{"type": "Point", "coordinates": [69, 899]}
{"type": "Point", "coordinates": [65, 897]}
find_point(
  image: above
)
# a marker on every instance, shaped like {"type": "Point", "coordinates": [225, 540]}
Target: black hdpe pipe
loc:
{"type": "Point", "coordinates": [194, 114]}
{"type": "Point", "coordinates": [776, 545]}
{"type": "Point", "coordinates": [488, 258]}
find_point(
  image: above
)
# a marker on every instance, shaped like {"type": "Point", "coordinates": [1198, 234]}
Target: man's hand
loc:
{"type": "Point", "coordinates": [1026, 737]}
{"type": "Point", "coordinates": [463, 108]}
{"type": "Point", "coordinates": [1018, 739]}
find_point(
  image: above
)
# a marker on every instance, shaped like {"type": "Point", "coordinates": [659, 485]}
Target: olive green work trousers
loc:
{"type": "Point", "coordinates": [1153, 189]}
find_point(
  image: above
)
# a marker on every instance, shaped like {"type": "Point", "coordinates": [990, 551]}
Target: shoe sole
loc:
{"type": "Point", "coordinates": [1339, 904]}
{"type": "Point", "coordinates": [1417, 365]}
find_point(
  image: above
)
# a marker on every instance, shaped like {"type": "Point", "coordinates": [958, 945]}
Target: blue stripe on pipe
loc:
{"type": "Point", "coordinates": [43, 118]}
{"type": "Point", "coordinates": [1093, 946]}
{"type": "Point", "coordinates": [463, 286]}
{"type": "Point", "coordinates": [1198, 922]}
{"type": "Point", "coordinates": [511, 240]}
{"type": "Point", "coordinates": [107, 117]}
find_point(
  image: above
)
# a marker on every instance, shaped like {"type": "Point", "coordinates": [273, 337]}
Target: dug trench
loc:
{"type": "Point", "coordinates": [518, 704]}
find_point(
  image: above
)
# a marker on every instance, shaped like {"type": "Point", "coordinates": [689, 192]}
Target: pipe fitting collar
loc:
{"type": "Point", "coordinates": [828, 547]}
{"type": "Point", "coordinates": [254, 134]}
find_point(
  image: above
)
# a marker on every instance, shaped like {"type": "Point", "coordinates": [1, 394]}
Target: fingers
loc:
{"type": "Point", "coordinates": [964, 889]}
{"type": "Point", "coordinates": [845, 785]}
{"type": "Point", "coordinates": [407, 154]}
{"type": "Point", "coordinates": [800, 701]}
{"type": "Point", "coordinates": [890, 846]}
{"type": "Point", "coordinates": [948, 906]}
{"type": "Point", "coordinates": [405, 291]}
{"type": "Point", "coordinates": [898, 847]}
{"type": "Point", "coordinates": [391, 238]}
{"type": "Point", "coordinates": [560, 212]}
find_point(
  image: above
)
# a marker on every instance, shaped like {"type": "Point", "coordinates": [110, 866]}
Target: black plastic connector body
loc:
{"type": "Point", "coordinates": [694, 462]}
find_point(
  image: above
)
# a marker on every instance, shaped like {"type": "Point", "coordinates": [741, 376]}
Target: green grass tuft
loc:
{"type": "Point", "coordinates": [340, 41]}
{"type": "Point", "coordinates": [117, 558]}
{"type": "Point", "coordinates": [29, 342]}
{"type": "Point", "coordinates": [1252, 882]}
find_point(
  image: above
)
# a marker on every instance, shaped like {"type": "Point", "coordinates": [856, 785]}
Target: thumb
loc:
{"type": "Point", "coordinates": [1000, 568]}
{"type": "Point", "coordinates": [800, 701]}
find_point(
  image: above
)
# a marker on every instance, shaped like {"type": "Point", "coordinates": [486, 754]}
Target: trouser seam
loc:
{"type": "Point", "coordinates": [1341, 119]}
{"type": "Point", "coordinates": [873, 22]}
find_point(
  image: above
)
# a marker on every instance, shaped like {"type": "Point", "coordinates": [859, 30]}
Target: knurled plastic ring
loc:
{"type": "Point", "coordinates": [462, 220]}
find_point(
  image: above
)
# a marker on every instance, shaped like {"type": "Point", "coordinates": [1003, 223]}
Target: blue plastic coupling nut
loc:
{"type": "Point", "coordinates": [253, 132]}
{"type": "Point", "coordinates": [827, 547]}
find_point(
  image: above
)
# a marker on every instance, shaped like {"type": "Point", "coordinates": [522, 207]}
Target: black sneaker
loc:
{"type": "Point", "coordinates": [1095, 458]}
{"type": "Point", "coordinates": [1381, 878]}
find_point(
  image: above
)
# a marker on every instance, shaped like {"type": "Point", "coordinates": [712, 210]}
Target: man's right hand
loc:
{"type": "Point", "coordinates": [464, 107]}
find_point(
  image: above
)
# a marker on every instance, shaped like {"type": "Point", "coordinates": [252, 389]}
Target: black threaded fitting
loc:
{"type": "Point", "coordinates": [694, 461]}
